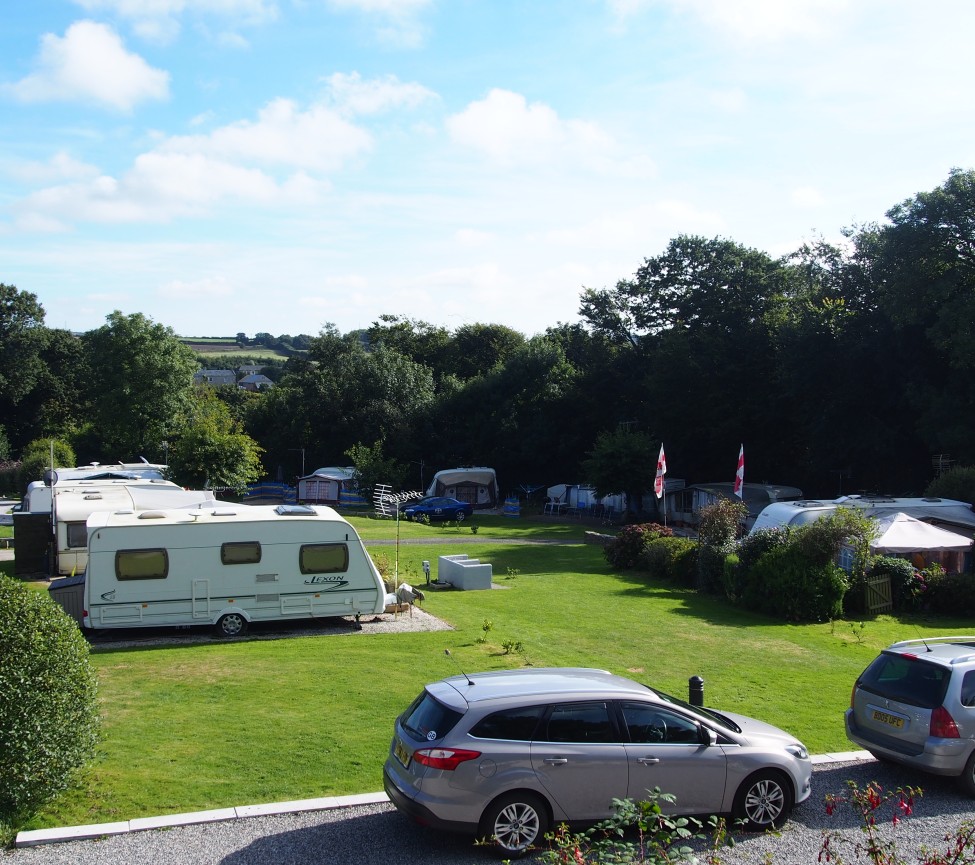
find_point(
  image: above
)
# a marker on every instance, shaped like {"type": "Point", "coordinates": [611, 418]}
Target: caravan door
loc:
{"type": "Point", "coordinates": [201, 599]}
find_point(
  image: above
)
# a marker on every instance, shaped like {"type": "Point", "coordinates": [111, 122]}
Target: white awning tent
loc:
{"type": "Point", "coordinates": [900, 533]}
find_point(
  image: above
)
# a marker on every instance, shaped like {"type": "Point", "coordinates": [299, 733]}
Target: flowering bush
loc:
{"type": "Point", "coordinates": [625, 550]}
{"type": "Point", "coordinates": [869, 804]}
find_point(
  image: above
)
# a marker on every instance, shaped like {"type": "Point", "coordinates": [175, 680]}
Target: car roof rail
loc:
{"type": "Point", "coordinates": [924, 641]}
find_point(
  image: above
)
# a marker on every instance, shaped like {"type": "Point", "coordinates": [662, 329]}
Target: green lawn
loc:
{"type": "Point", "coordinates": [214, 725]}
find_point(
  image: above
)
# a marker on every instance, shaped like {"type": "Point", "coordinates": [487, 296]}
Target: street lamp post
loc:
{"type": "Point", "coordinates": [302, 451]}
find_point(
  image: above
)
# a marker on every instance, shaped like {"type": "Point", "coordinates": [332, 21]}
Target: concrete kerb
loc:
{"type": "Point", "coordinates": [36, 837]}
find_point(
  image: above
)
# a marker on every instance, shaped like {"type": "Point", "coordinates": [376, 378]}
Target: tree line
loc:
{"type": "Point", "coordinates": [841, 367]}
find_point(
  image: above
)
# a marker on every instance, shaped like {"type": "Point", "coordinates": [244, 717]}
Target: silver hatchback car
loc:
{"type": "Point", "coordinates": [508, 754]}
{"type": "Point", "coordinates": [915, 705]}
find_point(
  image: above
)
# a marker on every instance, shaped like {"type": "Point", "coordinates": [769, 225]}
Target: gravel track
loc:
{"type": "Point", "coordinates": [378, 835]}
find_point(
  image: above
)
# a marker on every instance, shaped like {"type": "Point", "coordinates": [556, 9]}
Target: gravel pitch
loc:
{"type": "Point", "coordinates": [378, 835]}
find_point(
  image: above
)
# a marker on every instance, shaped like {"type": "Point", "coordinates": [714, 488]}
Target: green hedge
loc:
{"type": "Point", "coordinates": [48, 708]}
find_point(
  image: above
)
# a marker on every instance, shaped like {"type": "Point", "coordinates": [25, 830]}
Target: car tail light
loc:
{"type": "Point", "coordinates": [943, 725]}
{"type": "Point", "coordinates": [853, 693]}
{"type": "Point", "coordinates": [444, 758]}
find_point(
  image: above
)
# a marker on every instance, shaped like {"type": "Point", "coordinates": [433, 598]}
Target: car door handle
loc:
{"type": "Point", "coordinates": [556, 761]}
{"type": "Point", "coordinates": [648, 761]}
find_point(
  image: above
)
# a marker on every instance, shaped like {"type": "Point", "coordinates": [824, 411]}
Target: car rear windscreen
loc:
{"type": "Point", "coordinates": [428, 718]}
{"type": "Point", "coordinates": [906, 679]}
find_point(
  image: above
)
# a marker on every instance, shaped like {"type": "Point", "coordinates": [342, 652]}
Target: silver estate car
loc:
{"type": "Point", "coordinates": [915, 705]}
{"type": "Point", "coordinates": [508, 754]}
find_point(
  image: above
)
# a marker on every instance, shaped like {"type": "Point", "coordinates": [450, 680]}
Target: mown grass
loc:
{"type": "Point", "coordinates": [228, 723]}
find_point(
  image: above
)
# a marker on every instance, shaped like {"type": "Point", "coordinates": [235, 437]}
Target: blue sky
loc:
{"type": "Point", "coordinates": [277, 165]}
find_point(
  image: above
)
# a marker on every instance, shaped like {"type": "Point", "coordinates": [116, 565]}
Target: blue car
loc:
{"type": "Point", "coordinates": [439, 508]}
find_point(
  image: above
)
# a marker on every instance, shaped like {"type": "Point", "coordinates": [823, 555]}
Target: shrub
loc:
{"type": "Point", "coordinates": [37, 458]}
{"type": "Point", "coordinates": [625, 550]}
{"type": "Point", "coordinates": [718, 529]}
{"type": "Point", "coordinates": [907, 584]}
{"type": "Point", "coordinates": [785, 583]}
{"type": "Point", "coordinates": [48, 710]}
{"type": "Point", "coordinates": [670, 558]}
{"type": "Point", "coordinates": [951, 594]}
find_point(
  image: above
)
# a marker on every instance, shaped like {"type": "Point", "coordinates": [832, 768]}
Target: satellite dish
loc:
{"type": "Point", "coordinates": [50, 478]}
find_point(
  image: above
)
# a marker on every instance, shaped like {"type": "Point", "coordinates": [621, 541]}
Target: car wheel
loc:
{"type": "Point", "coordinates": [763, 801]}
{"type": "Point", "coordinates": [231, 625]}
{"type": "Point", "coordinates": [966, 780]}
{"type": "Point", "coordinates": [515, 822]}
{"type": "Point", "coordinates": [460, 516]}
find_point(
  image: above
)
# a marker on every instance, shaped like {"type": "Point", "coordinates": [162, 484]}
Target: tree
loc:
{"type": "Point", "coordinates": [373, 468]}
{"type": "Point", "coordinates": [622, 461]}
{"type": "Point", "coordinates": [21, 341]}
{"type": "Point", "coordinates": [212, 451]}
{"type": "Point", "coordinates": [37, 459]}
{"type": "Point", "coordinates": [956, 483]}
{"type": "Point", "coordinates": [141, 383]}
{"type": "Point", "coordinates": [478, 348]}
{"type": "Point", "coordinates": [48, 701]}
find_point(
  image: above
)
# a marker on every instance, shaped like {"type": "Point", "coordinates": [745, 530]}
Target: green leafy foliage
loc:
{"type": "Point", "coordinates": [785, 582]}
{"type": "Point", "coordinates": [627, 548]}
{"type": "Point", "coordinates": [48, 708]}
{"type": "Point", "coordinates": [670, 558]}
{"type": "Point", "coordinates": [956, 483]}
{"type": "Point", "coordinates": [907, 583]}
{"type": "Point", "coordinates": [950, 594]}
{"type": "Point", "coordinates": [37, 459]}
{"type": "Point", "coordinates": [721, 523]}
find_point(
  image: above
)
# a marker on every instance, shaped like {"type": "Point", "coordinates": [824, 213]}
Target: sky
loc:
{"type": "Point", "coordinates": [280, 166]}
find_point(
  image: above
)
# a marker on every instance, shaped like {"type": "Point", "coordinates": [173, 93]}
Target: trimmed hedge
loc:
{"type": "Point", "coordinates": [48, 705]}
{"type": "Point", "coordinates": [671, 558]}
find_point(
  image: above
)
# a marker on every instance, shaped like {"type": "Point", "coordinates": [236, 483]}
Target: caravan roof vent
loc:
{"type": "Point", "coordinates": [807, 503]}
{"type": "Point", "coordinates": [930, 499]}
{"type": "Point", "coordinates": [93, 496]}
{"type": "Point", "coordinates": [152, 515]}
{"type": "Point", "coordinates": [295, 511]}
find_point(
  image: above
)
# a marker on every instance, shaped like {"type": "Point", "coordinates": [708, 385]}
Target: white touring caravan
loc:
{"type": "Point", "coordinates": [74, 499]}
{"type": "Point", "coordinates": [949, 513]}
{"type": "Point", "coordinates": [226, 566]}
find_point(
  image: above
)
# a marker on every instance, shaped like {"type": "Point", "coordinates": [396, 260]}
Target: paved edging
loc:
{"type": "Point", "coordinates": [35, 837]}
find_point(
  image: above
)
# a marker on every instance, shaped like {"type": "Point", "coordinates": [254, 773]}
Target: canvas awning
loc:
{"type": "Point", "coordinates": [900, 533]}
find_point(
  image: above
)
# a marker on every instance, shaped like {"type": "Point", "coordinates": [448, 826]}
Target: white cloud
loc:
{"type": "Point", "coordinates": [749, 19]}
{"type": "Point", "coordinates": [398, 24]}
{"type": "Point", "coordinates": [159, 20]}
{"type": "Point", "coordinates": [91, 64]}
{"type": "Point", "coordinates": [315, 139]}
{"type": "Point", "coordinates": [355, 96]}
{"type": "Point", "coordinates": [507, 129]}
{"type": "Point", "coordinates": [61, 166]}
{"type": "Point", "coordinates": [161, 187]}
{"type": "Point", "coordinates": [197, 289]}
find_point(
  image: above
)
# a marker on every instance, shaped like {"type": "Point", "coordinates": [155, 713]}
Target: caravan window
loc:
{"type": "Point", "coordinates": [240, 553]}
{"type": "Point", "coordinates": [141, 564]}
{"type": "Point", "coordinates": [324, 558]}
{"type": "Point", "coordinates": [77, 534]}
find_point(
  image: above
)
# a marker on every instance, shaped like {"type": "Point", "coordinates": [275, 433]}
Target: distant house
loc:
{"type": "Point", "coordinates": [215, 377]}
{"type": "Point", "coordinates": [249, 369]}
{"type": "Point", "coordinates": [255, 381]}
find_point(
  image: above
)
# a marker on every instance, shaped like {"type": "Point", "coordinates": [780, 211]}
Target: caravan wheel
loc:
{"type": "Point", "coordinates": [231, 625]}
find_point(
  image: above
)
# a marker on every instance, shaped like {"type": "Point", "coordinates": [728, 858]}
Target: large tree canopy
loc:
{"type": "Point", "coordinates": [141, 383]}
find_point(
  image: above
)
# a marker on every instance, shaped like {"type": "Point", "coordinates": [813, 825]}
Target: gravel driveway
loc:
{"type": "Point", "coordinates": [378, 835]}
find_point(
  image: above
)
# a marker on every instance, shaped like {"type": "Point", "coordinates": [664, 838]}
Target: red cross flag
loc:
{"type": "Point", "coordinates": [740, 474]}
{"type": "Point", "coordinates": [658, 484]}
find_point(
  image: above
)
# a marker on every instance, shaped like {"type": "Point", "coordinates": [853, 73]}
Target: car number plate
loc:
{"type": "Point", "coordinates": [400, 751]}
{"type": "Point", "coordinates": [890, 720]}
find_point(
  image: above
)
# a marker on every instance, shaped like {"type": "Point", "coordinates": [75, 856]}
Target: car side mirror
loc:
{"type": "Point", "coordinates": [710, 737]}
